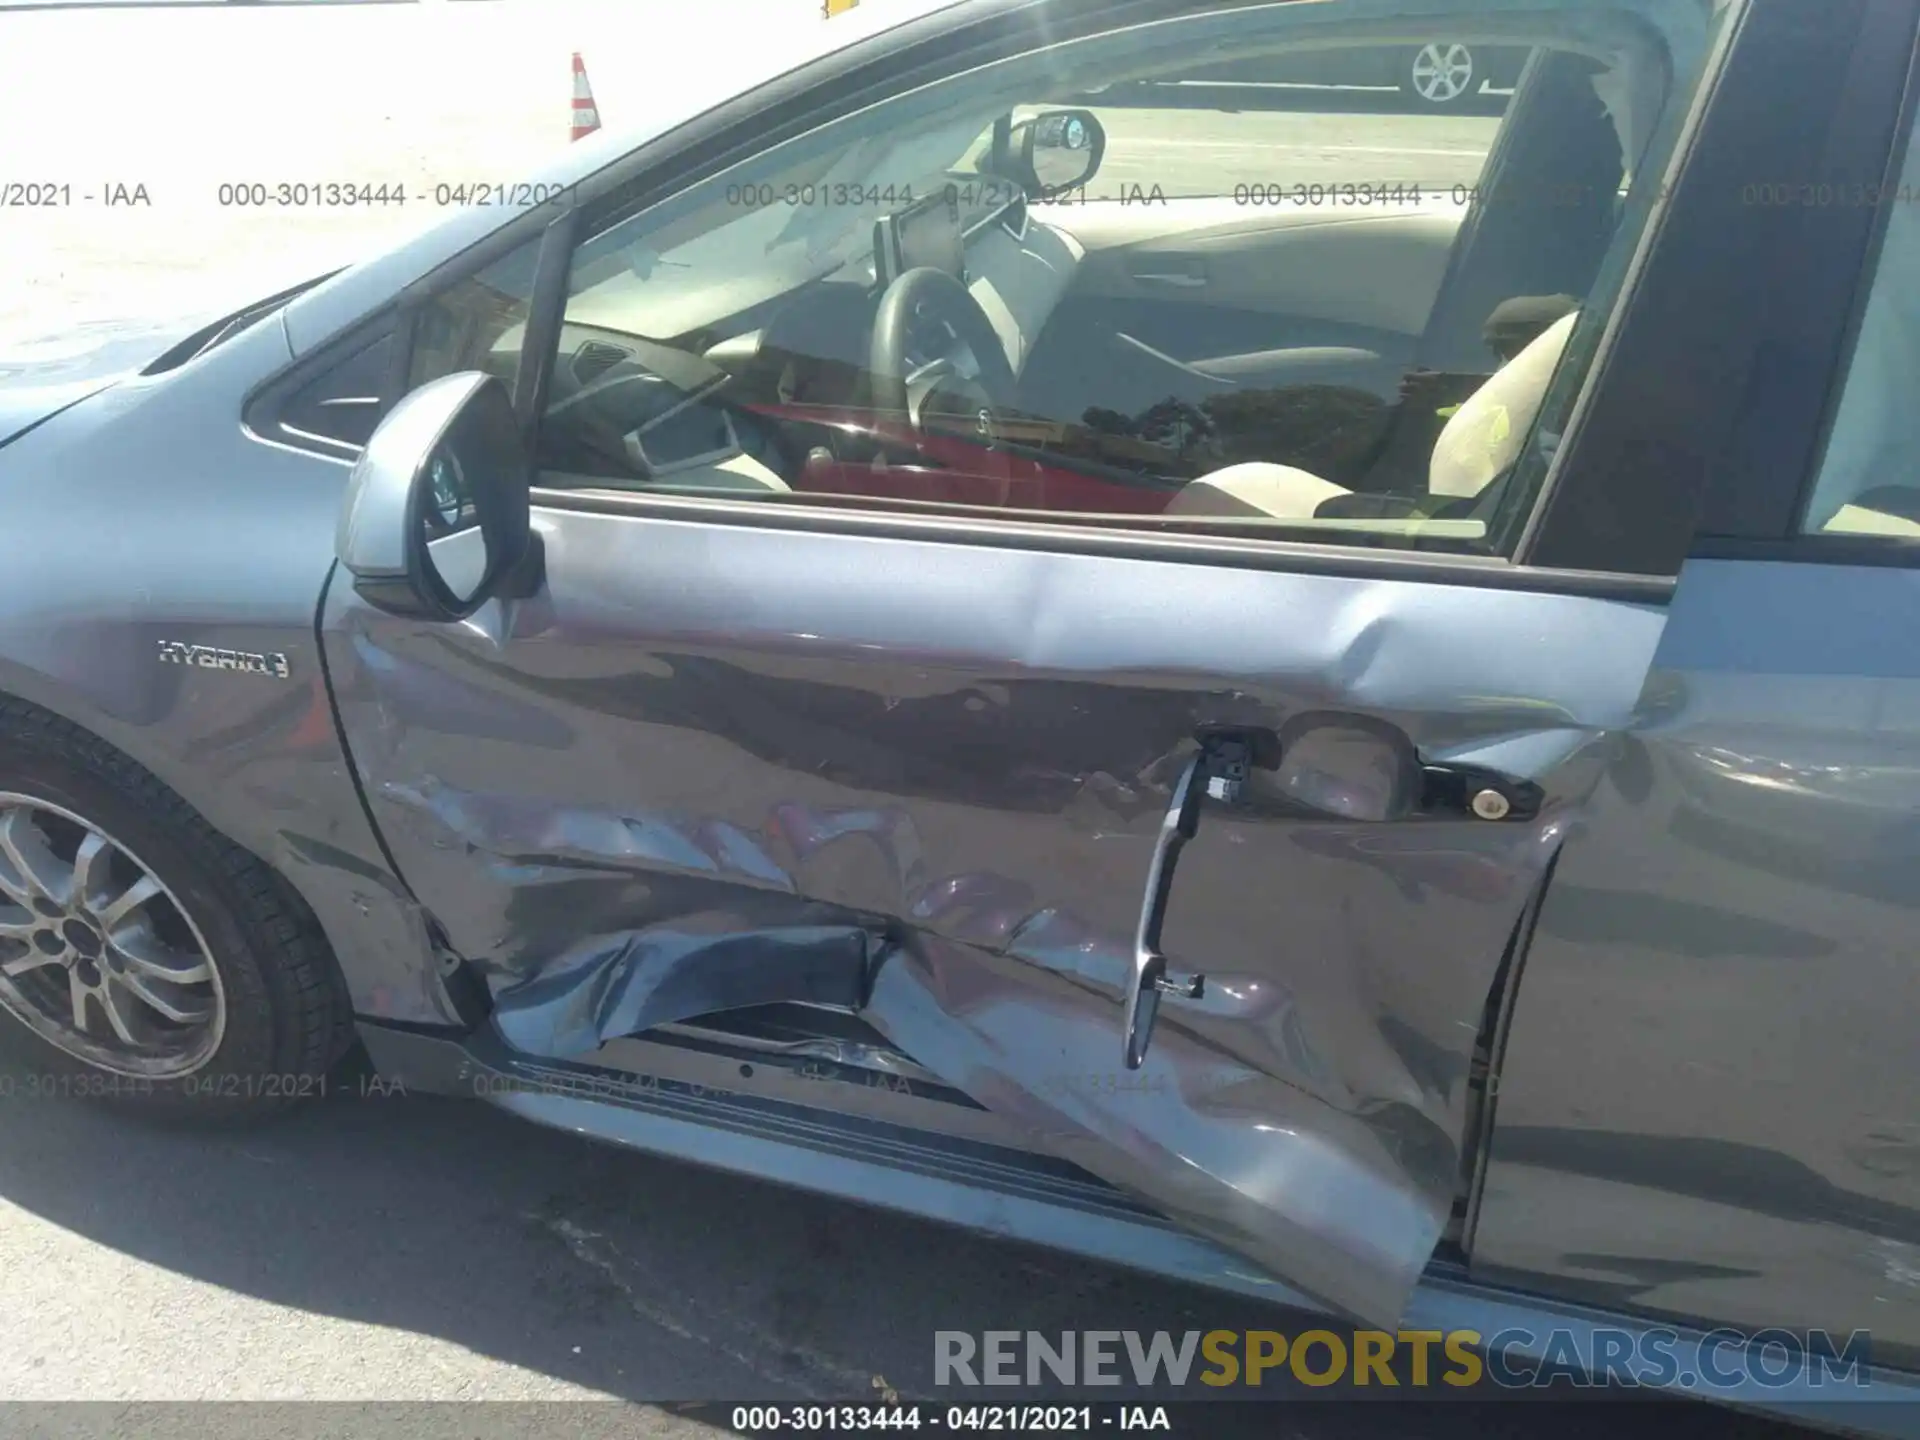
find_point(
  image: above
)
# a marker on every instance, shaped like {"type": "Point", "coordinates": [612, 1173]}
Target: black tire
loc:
{"type": "Point", "coordinates": [287, 1018]}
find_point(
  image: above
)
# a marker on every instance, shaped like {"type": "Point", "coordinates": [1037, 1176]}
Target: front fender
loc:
{"type": "Point", "coordinates": [143, 522]}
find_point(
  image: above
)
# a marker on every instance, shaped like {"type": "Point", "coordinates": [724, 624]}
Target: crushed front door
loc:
{"type": "Point", "coordinates": [713, 764]}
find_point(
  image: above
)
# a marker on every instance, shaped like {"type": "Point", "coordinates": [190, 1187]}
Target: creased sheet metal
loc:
{"type": "Point", "coordinates": [923, 780]}
{"type": "Point", "coordinates": [614, 985]}
{"type": "Point", "coordinates": [1312, 1193]}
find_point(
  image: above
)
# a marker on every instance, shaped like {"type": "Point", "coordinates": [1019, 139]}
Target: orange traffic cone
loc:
{"type": "Point", "coordinates": [586, 116]}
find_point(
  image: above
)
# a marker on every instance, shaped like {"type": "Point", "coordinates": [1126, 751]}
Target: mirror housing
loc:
{"type": "Point", "coordinates": [437, 513]}
{"type": "Point", "coordinates": [1052, 152]}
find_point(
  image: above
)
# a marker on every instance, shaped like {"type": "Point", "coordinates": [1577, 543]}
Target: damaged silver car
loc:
{"type": "Point", "coordinates": [1309, 700]}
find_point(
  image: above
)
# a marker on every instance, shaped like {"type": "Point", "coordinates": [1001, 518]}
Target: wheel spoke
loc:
{"type": "Point", "coordinates": [13, 884]}
{"type": "Point", "coordinates": [92, 864]}
{"type": "Point", "coordinates": [140, 953]}
{"type": "Point", "coordinates": [141, 993]}
{"type": "Point", "coordinates": [34, 959]}
{"type": "Point", "coordinates": [182, 1009]}
{"type": "Point", "coordinates": [28, 867]}
{"type": "Point", "coordinates": [110, 1003]}
{"type": "Point", "coordinates": [115, 912]}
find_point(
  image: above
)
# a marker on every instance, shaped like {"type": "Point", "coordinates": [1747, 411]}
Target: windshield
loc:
{"type": "Point", "coordinates": [808, 217]}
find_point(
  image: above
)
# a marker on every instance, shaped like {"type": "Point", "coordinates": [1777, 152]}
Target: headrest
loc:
{"type": "Point", "coordinates": [1485, 434]}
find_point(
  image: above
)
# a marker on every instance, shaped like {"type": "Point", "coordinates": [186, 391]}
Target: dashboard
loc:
{"type": "Point", "coordinates": [928, 234]}
{"type": "Point", "coordinates": [695, 411]}
{"type": "Point", "coordinates": [1016, 269]}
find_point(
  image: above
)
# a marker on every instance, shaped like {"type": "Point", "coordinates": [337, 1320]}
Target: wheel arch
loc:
{"type": "Point", "coordinates": [290, 809]}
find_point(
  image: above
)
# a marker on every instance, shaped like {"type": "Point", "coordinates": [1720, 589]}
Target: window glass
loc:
{"type": "Point", "coordinates": [1130, 282]}
{"type": "Point", "coordinates": [1347, 127]}
{"type": "Point", "coordinates": [1868, 482]}
{"type": "Point", "coordinates": [477, 324]}
{"type": "Point", "coordinates": [343, 405]}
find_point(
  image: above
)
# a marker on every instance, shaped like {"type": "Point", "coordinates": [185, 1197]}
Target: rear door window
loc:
{"type": "Point", "coordinates": [1869, 480]}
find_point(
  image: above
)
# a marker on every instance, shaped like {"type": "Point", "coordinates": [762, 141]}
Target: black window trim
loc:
{"type": "Point", "coordinates": [1791, 544]}
{"type": "Point", "coordinates": [1308, 556]}
{"type": "Point", "coordinates": [546, 315]}
{"type": "Point", "coordinates": [399, 318]}
{"type": "Point", "coordinates": [1867, 143]}
{"type": "Point", "coordinates": [1714, 393]}
{"type": "Point", "coordinates": [1542, 528]}
{"type": "Point", "coordinates": [264, 405]}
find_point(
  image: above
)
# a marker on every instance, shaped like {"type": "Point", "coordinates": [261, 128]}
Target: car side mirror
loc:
{"type": "Point", "coordinates": [1054, 151]}
{"type": "Point", "coordinates": [437, 519]}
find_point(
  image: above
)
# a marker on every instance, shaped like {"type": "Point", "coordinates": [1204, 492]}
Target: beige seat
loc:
{"type": "Point", "coordinates": [1481, 440]}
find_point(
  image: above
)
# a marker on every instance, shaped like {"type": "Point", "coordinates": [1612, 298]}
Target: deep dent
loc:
{"type": "Point", "coordinates": [713, 766]}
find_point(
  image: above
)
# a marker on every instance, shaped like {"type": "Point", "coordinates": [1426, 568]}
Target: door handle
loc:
{"type": "Point", "coordinates": [1150, 978]}
{"type": "Point", "coordinates": [1177, 279]}
{"type": "Point", "coordinates": [1218, 769]}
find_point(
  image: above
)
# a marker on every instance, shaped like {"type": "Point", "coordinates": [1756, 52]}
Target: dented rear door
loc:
{"type": "Point", "coordinates": [716, 764]}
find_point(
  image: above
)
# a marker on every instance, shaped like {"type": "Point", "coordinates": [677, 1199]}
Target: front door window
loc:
{"type": "Point", "coordinates": [1124, 282]}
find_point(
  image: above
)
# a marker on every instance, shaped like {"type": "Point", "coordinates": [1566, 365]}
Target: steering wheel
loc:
{"type": "Point", "coordinates": [924, 300]}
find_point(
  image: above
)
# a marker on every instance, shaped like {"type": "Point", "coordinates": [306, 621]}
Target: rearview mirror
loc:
{"type": "Point", "coordinates": [436, 514]}
{"type": "Point", "coordinates": [1054, 151]}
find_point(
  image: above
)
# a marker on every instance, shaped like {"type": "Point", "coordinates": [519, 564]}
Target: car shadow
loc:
{"type": "Point", "coordinates": [632, 1276]}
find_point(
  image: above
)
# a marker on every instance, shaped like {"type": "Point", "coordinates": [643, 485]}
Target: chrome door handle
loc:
{"type": "Point", "coordinates": [1150, 977]}
{"type": "Point", "coordinates": [1178, 279]}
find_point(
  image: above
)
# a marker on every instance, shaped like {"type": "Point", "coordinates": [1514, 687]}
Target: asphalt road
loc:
{"type": "Point", "coordinates": [404, 1248]}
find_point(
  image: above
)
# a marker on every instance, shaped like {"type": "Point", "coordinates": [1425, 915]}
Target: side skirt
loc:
{"type": "Point", "coordinates": [984, 1187]}
{"type": "Point", "coordinates": [961, 1179]}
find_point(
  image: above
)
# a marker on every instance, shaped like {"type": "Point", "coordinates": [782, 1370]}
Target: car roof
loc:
{"type": "Point", "coordinates": [679, 88]}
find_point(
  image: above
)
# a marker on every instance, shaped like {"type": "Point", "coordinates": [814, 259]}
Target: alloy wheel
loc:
{"type": "Point", "coordinates": [97, 956]}
{"type": "Point", "coordinates": [1442, 72]}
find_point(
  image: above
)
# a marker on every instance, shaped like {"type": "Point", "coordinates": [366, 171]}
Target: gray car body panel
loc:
{"type": "Point", "coordinates": [85, 609]}
{"type": "Point", "coordinates": [712, 765]}
{"type": "Point", "coordinates": [40, 378]}
{"type": "Point", "coordinates": [1739, 903]}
